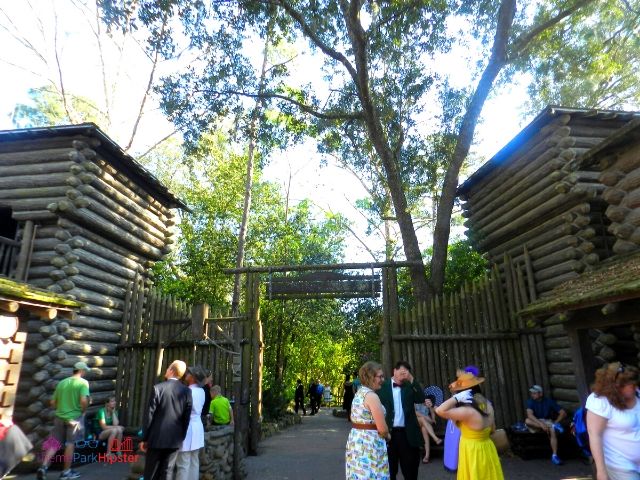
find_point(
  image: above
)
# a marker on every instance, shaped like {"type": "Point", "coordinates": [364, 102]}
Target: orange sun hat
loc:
{"type": "Point", "coordinates": [465, 381]}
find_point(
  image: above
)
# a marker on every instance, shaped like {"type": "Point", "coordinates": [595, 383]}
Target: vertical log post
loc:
{"type": "Point", "coordinates": [26, 249]}
{"type": "Point", "coordinates": [394, 312]}
{"type": "Point", "coordinates": [385, 333]}
{"type": "Point", "coordinates": [581, 357]}
{"type": "Point", "coordinates": [256, 374]}
{"type": "Point", "coordinates": [199, 314]}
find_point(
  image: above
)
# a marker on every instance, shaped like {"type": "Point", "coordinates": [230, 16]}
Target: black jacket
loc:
{"type": "Point", "coordinates": [168, 415]}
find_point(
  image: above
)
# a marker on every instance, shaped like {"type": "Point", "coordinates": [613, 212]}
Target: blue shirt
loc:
{"type": "Point", "coordinates": [545, 408]}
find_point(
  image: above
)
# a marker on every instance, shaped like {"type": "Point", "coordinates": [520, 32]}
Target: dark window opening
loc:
{"type": "Point", "coordinates": [8, 226]}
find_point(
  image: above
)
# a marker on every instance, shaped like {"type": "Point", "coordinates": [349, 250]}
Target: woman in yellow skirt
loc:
{"type": "Point", "coordinates": [472, 412]}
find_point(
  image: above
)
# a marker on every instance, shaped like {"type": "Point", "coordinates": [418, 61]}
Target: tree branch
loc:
{"type": "Point", "coordinates": [303, 106]}
{"type": "Point", "coordinates": [55, 50]}
{"type": "Point", "coordinates": [149, 85]}
{"type": "Point", "coordinates": [524, 40]}
{"type": "Point", "coordinates": [155, 145]}
{"type": "Point", "coordinates": [317, 41]}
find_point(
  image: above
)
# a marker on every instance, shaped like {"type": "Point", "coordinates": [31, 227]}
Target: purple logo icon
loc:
{"type": "Point", "coordinates": [51, 443]}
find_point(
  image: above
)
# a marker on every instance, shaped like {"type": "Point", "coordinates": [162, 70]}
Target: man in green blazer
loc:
{"type": "Point", "coordinates": [399, 394]}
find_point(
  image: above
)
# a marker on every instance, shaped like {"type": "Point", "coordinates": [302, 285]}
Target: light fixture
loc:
{"type": "Point", "coordinates": [8, 326]}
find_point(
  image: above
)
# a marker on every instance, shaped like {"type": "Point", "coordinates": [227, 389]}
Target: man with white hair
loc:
{"type": "Point", "coordinates": [166, 424]}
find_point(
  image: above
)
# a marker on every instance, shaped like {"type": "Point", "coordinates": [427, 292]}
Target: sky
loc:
{"type": "Point", "coordinates": [53, 39]}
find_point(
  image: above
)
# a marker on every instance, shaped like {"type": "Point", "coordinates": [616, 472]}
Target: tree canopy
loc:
{"type": "Point", "coordinates": [379, 96]}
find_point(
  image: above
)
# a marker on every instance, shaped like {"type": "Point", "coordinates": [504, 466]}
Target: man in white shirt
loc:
{"type": "Point", "coordinates": [399, 394]}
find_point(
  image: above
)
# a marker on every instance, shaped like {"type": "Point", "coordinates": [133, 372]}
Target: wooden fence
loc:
{"type": "Point", "coordinates": [477, 326]}
{"type": "Point", "coordinates": [157, 329]}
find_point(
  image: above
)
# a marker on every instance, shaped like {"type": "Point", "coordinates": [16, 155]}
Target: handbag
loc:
{"type": "Point", "coordinates": [13, 447]}
{"type": "Point", "coordinates": [500, 440]}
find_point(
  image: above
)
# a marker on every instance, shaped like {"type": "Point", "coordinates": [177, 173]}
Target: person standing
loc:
{"type": "Point", "coordinates": [398, 395]}
{"type": "Point", "coordinates": [166, 423]}
{"type": "Point", "coordinates": [347, 397]}
{"type": "Point", "coordinates": [613, 422]}
{"type": "Point", "coordinates": [478, 458]}
{"type": "Point", "coordinates": [299, 398]}
{"type": "Point", "coordinates": [70, 399]}
{"type": "Point", "coordinates": [319, 395]}
{"type": "Point", "coordinates": [207, 383]}
{"type": "Point", "coordinates": [311, 393]}
{"type": "Point", "coordinates": [366, 453]}
{"type": "Point", "coordinates": [220, 408]}
{"type": "Point", "coordinates": [188, 461]}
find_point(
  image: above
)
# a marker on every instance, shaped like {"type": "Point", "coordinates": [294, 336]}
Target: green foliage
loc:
{"type": "Point", "coordinates": [47, 108]}
{"type": "Point", "coordinates": [464, 264]}
{"type": "Point", "coordinates": [592, 61]}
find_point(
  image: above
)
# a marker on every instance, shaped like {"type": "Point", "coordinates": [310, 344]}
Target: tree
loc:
{"type": "Point", "coordinates": [380, 76]}
{"type": "Point", "coordinates": [65, 49]}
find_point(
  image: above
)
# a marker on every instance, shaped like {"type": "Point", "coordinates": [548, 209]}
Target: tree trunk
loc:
{"type": "Point", "coordinates": [497, 60]}
{"type": "Point", "coordinates": [248, 185]}
{"type": "Point", "coordinates": [389, 161]}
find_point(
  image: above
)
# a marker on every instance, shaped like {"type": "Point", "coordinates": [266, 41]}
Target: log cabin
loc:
{"type": "Point", "coordinates": [80, 218]}
{"type": "Point", "coordinates": [549, 202]}
{"type": "Point", "coordinates": [600, 307]}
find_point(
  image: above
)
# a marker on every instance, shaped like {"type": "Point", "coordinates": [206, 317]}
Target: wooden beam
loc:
{"type": "Point", "coordinates": [330, 266]}
{"type": "Point", "coordinates": [9, 306]}
{"type": "Point", "coordinates": [240, 318]}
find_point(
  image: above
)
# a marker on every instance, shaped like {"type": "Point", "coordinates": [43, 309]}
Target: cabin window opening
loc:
{"type": "Point", "coordinates": [8, 226]}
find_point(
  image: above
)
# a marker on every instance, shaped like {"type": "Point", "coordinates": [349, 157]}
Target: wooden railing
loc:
{"type": "Point", "coordinates": [15, 255]}
{"type": "Point", "coordinates": [8, 254]}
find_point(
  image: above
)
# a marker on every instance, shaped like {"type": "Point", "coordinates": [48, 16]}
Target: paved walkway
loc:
{"type": "Point", "coordinates": [314, 450]}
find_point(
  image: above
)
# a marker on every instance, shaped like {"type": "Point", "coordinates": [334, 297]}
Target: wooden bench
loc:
{"type": "Point", "coordinates": [529, 445]}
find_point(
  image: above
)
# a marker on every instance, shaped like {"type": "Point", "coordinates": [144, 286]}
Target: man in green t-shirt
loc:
{"type": "Point", "coordinates": [70, 399]}
{"type": "Point", "coordinates": [220, 408]}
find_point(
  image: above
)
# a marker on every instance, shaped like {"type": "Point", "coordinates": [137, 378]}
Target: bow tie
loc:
{"type": "Point", "coordinates": [396, 385]}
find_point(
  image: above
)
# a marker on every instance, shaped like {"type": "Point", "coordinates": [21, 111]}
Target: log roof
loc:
{"type": "Point", "coordinates": [614, 280]}
{"type": "Point", "coordinates": [109, 149]}
{"type": "Point", "coordinates": [543, 118]}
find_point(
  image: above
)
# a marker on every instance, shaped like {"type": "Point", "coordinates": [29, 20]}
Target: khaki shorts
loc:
{"type": "Point", "coordinates": [68, 430]}
{"type": "Point", "coordinates": [536, 429]}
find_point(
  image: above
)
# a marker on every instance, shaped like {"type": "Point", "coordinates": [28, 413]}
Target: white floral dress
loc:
{"type": "Point", "coordinates": [366, 457]}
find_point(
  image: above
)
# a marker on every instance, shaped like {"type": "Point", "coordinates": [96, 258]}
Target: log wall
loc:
{"type": "Point", "coordinates": [98, 231]}
{"type": "Point", "coordinates": [621, 176]}
{"type": "Point", "coordinates": [554, 220]}
{"type": "Point", "coordinates": [477, 325]}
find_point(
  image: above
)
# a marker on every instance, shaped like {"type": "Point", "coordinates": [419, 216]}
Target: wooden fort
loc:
{"type": "Point", "coordinates": [560, 201]}
{"type": "Point", "coordinates": [78, 217]}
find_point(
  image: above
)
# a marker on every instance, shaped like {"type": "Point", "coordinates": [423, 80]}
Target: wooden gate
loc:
{"type": "Point", "coordinates": [157, 329]}
{"type": "Point", "coordinates": [476, 326]}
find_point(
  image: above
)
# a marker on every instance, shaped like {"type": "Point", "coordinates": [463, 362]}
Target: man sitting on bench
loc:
{"type": "Point", "coordinates": [540, 414]}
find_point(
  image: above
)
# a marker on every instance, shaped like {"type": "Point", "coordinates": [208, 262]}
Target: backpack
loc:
{"type": "Point", "coordinates": [579, 430]}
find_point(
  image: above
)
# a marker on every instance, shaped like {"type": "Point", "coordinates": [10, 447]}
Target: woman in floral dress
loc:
{"type": "Point", "coordinates": [366, 457]}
